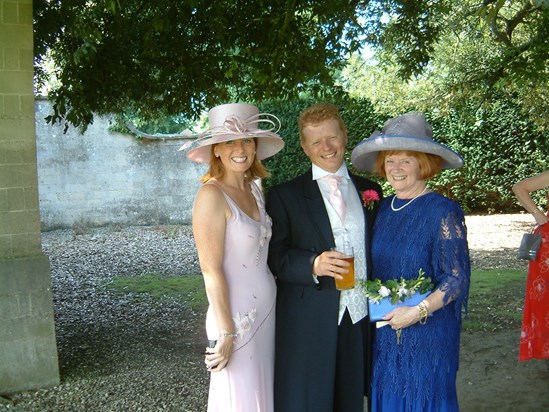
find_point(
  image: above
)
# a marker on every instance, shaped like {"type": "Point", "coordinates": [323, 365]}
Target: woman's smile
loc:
{"type": "Point", "coordinates": [241, 159]}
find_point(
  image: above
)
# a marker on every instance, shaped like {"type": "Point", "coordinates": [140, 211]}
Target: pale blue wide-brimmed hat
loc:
{"type": "Point", "coordinates": [409, 131]}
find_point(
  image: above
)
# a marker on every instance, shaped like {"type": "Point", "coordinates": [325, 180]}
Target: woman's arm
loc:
{"type": "Point", "coordinates": [523, 189]}
{"type": "Point", "coordinates": [210, 214]}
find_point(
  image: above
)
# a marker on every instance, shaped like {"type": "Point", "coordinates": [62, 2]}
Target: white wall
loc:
{"type": "Point", "coordinates": [103, 178]}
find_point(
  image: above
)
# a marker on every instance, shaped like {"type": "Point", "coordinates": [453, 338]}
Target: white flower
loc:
{"type": "Point", "coordinates": [384, 291]}
{"type": "Point", "coordinates": [402, 291]}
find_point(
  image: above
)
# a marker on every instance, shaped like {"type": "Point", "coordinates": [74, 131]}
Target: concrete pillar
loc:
{"type": "Point", "coordinates": [28, 352]}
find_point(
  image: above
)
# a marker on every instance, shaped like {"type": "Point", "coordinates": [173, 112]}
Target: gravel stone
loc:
{"type": "Point", "coordinates": [121, 352]}
{"type": "Point", "coordinates": [133, 353]}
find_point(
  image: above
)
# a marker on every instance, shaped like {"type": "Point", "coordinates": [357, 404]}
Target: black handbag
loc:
{"type": "Point", "coordinates": [529, 245]}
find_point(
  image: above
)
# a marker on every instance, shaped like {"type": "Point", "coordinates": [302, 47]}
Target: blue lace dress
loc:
{"type": "Point", "coordinates": [419, 374]}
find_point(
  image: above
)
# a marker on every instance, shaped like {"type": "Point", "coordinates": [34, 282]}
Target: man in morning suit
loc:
{"type": "Point", "coordinates": [322, 334]}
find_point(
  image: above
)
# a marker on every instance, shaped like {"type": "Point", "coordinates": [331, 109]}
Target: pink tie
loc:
{"type": "Point", "coordinates": [336, 199]}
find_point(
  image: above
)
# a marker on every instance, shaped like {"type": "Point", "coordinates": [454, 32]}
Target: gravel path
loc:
{"type": "Point", "coordinates": [121, 353]}
{"type": "Point", "coordinates": [494, 240]}
{"type": "Point", "coordinates": [131, 353]}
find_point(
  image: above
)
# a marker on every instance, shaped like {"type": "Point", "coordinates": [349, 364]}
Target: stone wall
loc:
{"type": "Point", "coordinates": [106, 178]}
{"type": "Point", "coordinates": [28, 352]}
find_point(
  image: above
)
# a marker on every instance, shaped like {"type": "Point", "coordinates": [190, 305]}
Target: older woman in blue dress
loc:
{"type": "Point", "coordinates": [416, 357]}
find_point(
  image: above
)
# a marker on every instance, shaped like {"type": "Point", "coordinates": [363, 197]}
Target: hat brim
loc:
{"type": "Point", "coordinates": [268, 144]}
{"type": "Point", "coordinates": [364, 155]}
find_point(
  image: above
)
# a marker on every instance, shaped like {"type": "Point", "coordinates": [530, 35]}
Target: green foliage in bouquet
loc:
{"type": "Point", "coordinates": [397, 290]}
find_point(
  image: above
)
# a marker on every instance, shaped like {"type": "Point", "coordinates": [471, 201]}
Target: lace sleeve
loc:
{"type": "Point", "coordinates": [451, 254]}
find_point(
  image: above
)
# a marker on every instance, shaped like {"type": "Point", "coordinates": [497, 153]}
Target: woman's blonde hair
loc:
{"type": "Point", "coordinates": [216, 170]}
{"type": "Point", "coordinates": [429, 164]}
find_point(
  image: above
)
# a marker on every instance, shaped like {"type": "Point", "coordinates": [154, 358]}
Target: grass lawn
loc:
{"type": "Point", "coordinates": [188, 289]}
{"type": "Point", "coordinates": [495, 300]}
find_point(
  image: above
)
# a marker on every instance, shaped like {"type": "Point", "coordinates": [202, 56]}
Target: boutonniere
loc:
{"type": "Point", "coordinates": [369, 197]}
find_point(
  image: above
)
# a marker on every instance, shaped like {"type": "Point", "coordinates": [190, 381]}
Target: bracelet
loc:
{"type": "Point", "coordinates": [423, 313]}
{"type": "Point", "coordinates": [228, 335]}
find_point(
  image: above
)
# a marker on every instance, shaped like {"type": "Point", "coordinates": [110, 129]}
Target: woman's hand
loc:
{"type": "Point", "coordinates": [218, 357]}
{"type": "Point", "coordinates": [402, 317]}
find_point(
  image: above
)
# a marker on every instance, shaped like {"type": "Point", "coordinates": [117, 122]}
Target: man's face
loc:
{"type": "Point", "coordinates": [324, 144]}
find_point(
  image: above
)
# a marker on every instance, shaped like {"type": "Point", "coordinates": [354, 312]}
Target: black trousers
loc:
{"type": "Point", "coordinates": [352, 381]}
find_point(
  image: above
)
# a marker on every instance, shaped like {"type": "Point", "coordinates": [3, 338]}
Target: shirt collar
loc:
{"type": "Point", "coordinates": [319, 173]}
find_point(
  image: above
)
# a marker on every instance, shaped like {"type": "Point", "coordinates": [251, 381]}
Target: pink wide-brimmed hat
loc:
{"type": "Point", "coordinates": [409, 131]}
{"type": "Point", "coordinates": [235, 121]}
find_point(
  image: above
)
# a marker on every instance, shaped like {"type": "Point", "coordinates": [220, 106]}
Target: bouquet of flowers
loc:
{"type": "Point", "coordinates": [386, 296]}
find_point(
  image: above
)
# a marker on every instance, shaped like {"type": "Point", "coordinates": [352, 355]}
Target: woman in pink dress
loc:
{"type": "Point", "coordinates": [232, 233]}
{"type": "Point", "coordinates": [534, 335]}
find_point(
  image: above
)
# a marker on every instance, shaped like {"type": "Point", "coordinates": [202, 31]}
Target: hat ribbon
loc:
{"type": "Point", "coordinates": [237, 125]}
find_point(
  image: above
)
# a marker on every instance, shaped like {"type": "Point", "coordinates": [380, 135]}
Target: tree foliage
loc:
{"type": "Point", "coordinates": [168, 57]}
{"type": "Point", "coordinates": [407, 32]}
{"type": "Point", "coordinates": [481, 53]}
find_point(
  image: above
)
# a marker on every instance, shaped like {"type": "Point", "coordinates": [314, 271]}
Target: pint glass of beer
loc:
{"type": "Point", "coordinates": [348, 281]}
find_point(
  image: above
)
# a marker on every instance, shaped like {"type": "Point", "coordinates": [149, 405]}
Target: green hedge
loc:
{"type": "Point", "coordinates": [500, 147]}
{"type": "Point", "coordinates": [498, 142]}
{"type": "Point", "coordinates": [359, 117]}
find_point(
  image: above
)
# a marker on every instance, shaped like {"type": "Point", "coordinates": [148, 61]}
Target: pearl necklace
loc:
{"type": "Point", "coordinates": [405, 204]}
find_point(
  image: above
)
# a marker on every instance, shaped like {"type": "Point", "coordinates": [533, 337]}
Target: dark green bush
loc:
{"type": "Point", "coordinates": [500, 147]}
{"type": "Point", "coordinates": [359, 117]}
{"type": "Point", "coordinates": [498, 142]}
{"type": "Point", "coordinates": [291, 161]}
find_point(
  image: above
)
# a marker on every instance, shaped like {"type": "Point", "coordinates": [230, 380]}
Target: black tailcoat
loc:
{"type": "Point", "coordinates": [307, 312]}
